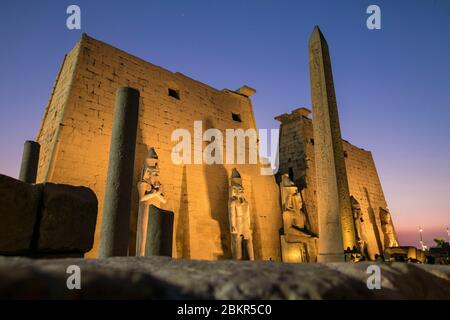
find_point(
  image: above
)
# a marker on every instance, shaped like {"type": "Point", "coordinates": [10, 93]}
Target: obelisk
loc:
{"type": "Point", "coordinates": [336, 228]}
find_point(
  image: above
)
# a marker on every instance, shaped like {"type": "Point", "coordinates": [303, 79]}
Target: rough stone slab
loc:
{"type": "Point", "coordinates": [18, 212]}
{"type": "Point", "coordinates": [68, 218]}
{"type": "Point", "coordinates": [165, 278]}
{"type": "Point", "coordinates": [160, 232]}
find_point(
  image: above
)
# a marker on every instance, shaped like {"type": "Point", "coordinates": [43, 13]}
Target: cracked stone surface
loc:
{"type": "Point", "coordinates": [165, 278]}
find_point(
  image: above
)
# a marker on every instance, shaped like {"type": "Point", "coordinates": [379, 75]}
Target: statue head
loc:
{"type": "Point", "coordinates": [356, 207]}
{"type": "Point", "coordinates": [355, 203]}
{"type": "Point", "coordinates": [290, 196]}
{"type": "Point", "coordinates": [150, 170]}
{"type": "Point", "coordinates": [146, 173]}
{"type": "Point", "coordinates": [385, 216]}
{"type": "Point", "coordinates": [237, 190]}
{"type": "Point", "coordinates": [286, 181]}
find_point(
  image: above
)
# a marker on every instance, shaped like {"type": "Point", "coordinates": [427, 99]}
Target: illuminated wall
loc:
{"type": "Point", "coordinates": [297, 157]}
{"type": "Point", "coordinates": [75, 137]}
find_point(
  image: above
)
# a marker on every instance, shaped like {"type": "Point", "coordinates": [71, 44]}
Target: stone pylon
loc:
{"type": "Point", "coordinates": [336, 228]}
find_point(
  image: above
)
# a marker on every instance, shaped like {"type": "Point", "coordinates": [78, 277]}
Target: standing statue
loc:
{"type": "Point", "coordinates": [294, 218]}
{"type": "Point", "coordinates": [150, 193]}
{"type": "Point", "coordinates": [240, 220]}
{"type": "Point", "coordinates": [359, 225]}
{"type": "Point", "coordinates": [390, 240]}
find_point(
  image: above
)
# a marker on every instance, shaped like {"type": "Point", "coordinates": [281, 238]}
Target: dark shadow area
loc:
{"type": "Point", "coordinates": [141, 153]}
{"type": "Point", "coordinates": [257, 242]}
{"type": "Point", "coordinates": [182, 232]}
{"type": "Point", "coordinates": [308, 224]}
{"type": "Point", "coordinates": [217, 185]}
{"type": "Point", "coordinates": [373, 221]}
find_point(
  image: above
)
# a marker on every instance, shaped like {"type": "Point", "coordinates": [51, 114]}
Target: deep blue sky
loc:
{"type": "Point", "coordinates": [392, 85]}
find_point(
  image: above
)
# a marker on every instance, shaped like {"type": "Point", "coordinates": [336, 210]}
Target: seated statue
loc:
{"type": "Point", "coordinates": [390, 239]}
{"type": "Point", "coordinates": [150, 193]}
{"type": "Point", "coordinates": [294, 218]}
{"type": "Point", "coordinates": [240, 220]}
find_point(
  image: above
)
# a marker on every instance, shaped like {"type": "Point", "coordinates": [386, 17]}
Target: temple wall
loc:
{"type": "Point", "coordinates": [53, 117]}
{"type": "Point", "coordinates": [75, 138]}
{"type": "Point", "coordinates": [365, 186]}
{"type": "Point", "coordinates": [198, 194]}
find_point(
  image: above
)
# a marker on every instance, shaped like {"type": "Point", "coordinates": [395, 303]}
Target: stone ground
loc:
{"type": "Point", "coordinates": [164, 278]}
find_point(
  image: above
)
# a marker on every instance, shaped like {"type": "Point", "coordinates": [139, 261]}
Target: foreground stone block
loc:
{"type": "Point", "coordinates": [160, 232]}
{"type": "Point", "coordinates": [18, 213]}
{"type": "Point", "coordinates": [68, 218]}
{"type": "Point", "coordinates": [165, 278]}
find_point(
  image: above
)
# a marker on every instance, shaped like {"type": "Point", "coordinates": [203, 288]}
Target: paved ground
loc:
{"type": "Point", "coordinates": [164, 278]}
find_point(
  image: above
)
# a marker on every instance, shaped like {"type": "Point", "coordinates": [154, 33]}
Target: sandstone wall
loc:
{"type": "Point", "coordinates": [52, 121]}
{"type": "Point", "coordinates": [82, 109]}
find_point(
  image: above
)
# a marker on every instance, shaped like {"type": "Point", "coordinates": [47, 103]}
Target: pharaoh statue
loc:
{"type": "Point", "coordinates": [240, 220]}
{"type": "Point", "coordinates": [294, 218]}
{"type": "Point", "coordinates": [359, 225]}
{"type": "Point", "coordinates": [390, 240]}
{"type": "Point", "coordinates": [150, 193]}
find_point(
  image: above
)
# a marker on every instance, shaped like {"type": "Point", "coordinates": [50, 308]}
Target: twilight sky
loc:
{"type": "Point", "coordinates": [392, 85]}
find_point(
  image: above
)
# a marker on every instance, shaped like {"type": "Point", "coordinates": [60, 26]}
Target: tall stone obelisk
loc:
{"type": "Point", "coordinates": [336, 228]}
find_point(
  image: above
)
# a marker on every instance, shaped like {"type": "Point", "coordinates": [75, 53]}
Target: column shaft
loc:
{"type": "Point", "coordinates": [30, 161]}
{"type": "Point", "coordinates": [114, 233]}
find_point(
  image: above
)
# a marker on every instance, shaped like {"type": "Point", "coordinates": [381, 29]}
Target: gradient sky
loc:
{"type": "Point", "coordinates": [392, 85]}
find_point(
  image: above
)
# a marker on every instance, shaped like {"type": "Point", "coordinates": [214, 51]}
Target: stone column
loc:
{"type": "Point", "coordinates": [336, 229]}
{"type": "Point", "coordinates": [30, 161]}
{"type": "Point", "coordinates": [114, 233]}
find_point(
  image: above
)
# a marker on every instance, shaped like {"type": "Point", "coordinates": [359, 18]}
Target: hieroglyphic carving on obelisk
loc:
{"type": "Point", "coordinates": [336, 228]}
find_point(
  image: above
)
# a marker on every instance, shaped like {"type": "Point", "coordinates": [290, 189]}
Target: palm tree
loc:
{"type": "Point", "coordinates": [441, 243]}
